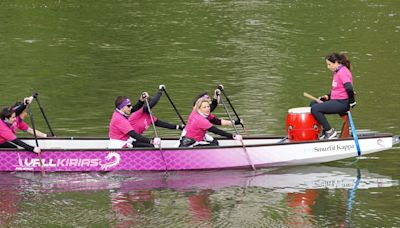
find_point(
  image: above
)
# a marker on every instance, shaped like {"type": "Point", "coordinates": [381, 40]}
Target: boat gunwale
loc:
{"type": "Point", "coordinates": [55, 150]}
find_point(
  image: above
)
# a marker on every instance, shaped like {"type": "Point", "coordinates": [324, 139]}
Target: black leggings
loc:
{"type": "Point", "coordinates": [212, 143]}
{"type": "Point", "coordinates": [186, 142]}
{"type": "Point", "coordinates": [319, 110]}
{"type": "Point", "coordinates": [7, 145]}
{"type": "Point", "coordinates": [141, 144]}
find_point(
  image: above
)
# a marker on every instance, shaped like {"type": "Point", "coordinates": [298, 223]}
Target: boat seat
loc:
{"type": "Point", "coordinates": [345, 133]}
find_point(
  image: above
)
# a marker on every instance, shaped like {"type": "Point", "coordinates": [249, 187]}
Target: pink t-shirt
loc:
{"type": "Point", "coordinates": [342, 76]}
{"type": "Point", "coordinates": [197, 126]}
{"type": "Point", "coordinates": [140, 120]}
{"type": "Point", "coordinates": [7, 132]}
{"type": "Point", "coordinates": [119, 127]}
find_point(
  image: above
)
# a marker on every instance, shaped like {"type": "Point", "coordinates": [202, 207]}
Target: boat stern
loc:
{"type": "Point", "coordinates": [396, 139]}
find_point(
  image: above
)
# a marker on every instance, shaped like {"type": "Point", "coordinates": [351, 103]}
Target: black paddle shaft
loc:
{"type": "Point", "coordinates": [173, 105]}
{"type": "Point", "coordinates": [33, 125]}
{"type": "Point", "coordinates": [229, 115]}
{"type": "Point", "coordinates": [36, 96]}
{"type": "Point", "coordinates": [229, 101]}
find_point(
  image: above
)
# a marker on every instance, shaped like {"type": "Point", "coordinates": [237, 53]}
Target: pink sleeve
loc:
{"type": "Point", "coordinates": [22, 125]}
{"type": "Point", "coordinates": [204, 124]}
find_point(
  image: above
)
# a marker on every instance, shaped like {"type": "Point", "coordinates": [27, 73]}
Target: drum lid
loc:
{"type": "Point", "coordinates": [300, 110]}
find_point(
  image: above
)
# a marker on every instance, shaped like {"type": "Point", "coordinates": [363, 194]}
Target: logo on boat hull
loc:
{"type": "Point", "coordinates": [335, 147]}
{"type": "Point", "coordinates": [111, 160]}
{"type": "Point", "coordinates": [380, 142]}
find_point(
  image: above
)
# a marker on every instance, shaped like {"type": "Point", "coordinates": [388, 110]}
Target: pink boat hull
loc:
{"type": "Point", "coordinates": [260, 152]}
{"type": "Point", "coordinates": [122, 160]}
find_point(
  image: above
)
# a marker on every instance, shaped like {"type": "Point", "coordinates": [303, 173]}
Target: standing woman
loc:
{"type": "Point", "coordinates": [341, 97]}
{"type": "Point", "coordinates": [120, 129]}
{"type": "Point", "coordinates": [198, 124]}
{"type": "Point", "coordinates": [11, 122]}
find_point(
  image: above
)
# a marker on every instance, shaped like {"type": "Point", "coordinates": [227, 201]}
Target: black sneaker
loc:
{"type": "Point", "coordinates": [321, 136]}
{"type": "Point", "coordinates": [330, 134]}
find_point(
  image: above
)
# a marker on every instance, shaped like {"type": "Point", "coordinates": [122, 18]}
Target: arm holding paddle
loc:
{"type": "Point", "coordinates": [223, 122]}
{"type": "Point", "coordinates": [216, 99]}
{"type": "Point", "coordinates": [37, 132]}
{"type": "Point", "coordinates": [220, 132]}
{"type": "Point", "coordinates": [152, 102]}
{"type": "Point", "coordinates": [139, 104]}
{"type": "Point", "coordinates": [26, 146]}
{"type": "Point", "coordinates": [160, 123]}
{"type": "Point", "coordinates": [221, 89]}
{"type": "Point", "coordinates": [21, 106]}
{"type": "Point", "coordinates": [155, 141]}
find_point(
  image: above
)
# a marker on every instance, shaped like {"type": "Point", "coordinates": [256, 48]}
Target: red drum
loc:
{"type": "Point", "coordinates": [301, 125]}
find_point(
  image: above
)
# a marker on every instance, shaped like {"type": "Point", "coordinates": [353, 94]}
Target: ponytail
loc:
{"type": "Point", "coordinates": [340, 58]}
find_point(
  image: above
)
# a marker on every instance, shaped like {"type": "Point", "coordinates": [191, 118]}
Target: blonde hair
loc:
{"type": "Point", "coordinates": [200, 101]}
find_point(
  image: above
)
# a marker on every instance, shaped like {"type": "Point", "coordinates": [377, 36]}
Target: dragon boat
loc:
{"type": "Point", "coordinates": [92, 154]}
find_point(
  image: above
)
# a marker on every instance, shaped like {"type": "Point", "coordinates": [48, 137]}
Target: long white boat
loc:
{"type": "Point", "coordinates": [92, 154]}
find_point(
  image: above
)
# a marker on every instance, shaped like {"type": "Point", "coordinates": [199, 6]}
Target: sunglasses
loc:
{"type": "Point", "coordinates": [129, 106]}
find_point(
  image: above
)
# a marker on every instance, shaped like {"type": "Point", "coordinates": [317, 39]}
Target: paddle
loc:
{"type": "Point", "coordinates": [36, 96]}
{"type": "Point", "coordinates": [354, 133]}
{"type": "Point", "coordinates": [36, 140]}
{"type": "Point", "coordinates": [241, 141]}
{"type": "Point", "coordinates": [312, 97]}
{"type": "Point", "coordinates": [173, 105]}
{"type": "Point", "coordinates": [220, 87]}
{"type": "Point", "coordinates": [154, 128]}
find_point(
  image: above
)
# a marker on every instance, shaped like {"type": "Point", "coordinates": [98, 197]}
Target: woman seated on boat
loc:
{"type": "Point", "coordinates": [341, 97]}
{"type": "Point", "coordinates": [213, 104]}
{"type": "Point", "coordinates": [120, 129]}
{"type": "Point", "coordinates": [198, 124]}
{"type": "Point", "coordinates": [140, 120]}
{"type": "Point", "coordinates": [11, 122]}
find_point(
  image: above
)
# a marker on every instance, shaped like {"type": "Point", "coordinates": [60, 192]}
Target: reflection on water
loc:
{"type": "Point", "coordinates": [298, 196]}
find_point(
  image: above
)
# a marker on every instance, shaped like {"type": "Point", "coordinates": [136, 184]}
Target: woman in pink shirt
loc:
{"type": "Point", "coordinates": [213, 104]}
{"type": "Point", "coordinates": [11, 121]}
{"type": "Point", "coordinates": [120, 129]}
{"type": "Point", "coordinates": [341, 97]}
{"type": "Point", "coordinates": [198, 124]}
